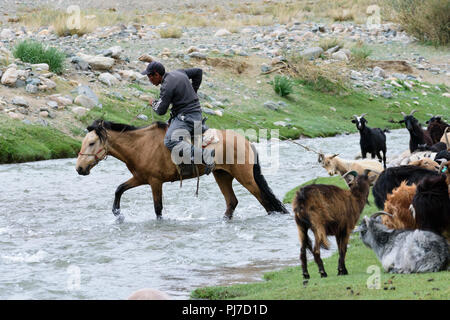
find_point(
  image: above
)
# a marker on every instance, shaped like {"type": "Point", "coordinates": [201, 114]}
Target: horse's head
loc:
{"type": "Point", "coordinates": [93, 148]}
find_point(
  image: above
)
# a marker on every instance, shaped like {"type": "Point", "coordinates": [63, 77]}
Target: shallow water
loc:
{"type": "Point", "coordinates": [59, 239]}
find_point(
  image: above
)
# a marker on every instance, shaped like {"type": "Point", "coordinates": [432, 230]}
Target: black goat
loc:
{"type": "Point", "coordinates": [437, 147]}
{"type": "Point", "coordinates": [418, 136]}
{"type": "Point", "coordinates": [436, 128]}
{"type": "Point", "coordinates": [372, 140]}
{"type": "Point", "coordinates": [444, 154]}
{"type": "Point", "coordinates": [431, 204]}
{"type": "Point", "coordinates": [391, 178]}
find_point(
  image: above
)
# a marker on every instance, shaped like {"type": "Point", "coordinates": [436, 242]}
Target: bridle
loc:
{"type": "Point", "coordinates": [97, 158]}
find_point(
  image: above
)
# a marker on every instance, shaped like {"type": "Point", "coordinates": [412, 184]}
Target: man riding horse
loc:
{"type": "Point", "coordinates": [186, 113]}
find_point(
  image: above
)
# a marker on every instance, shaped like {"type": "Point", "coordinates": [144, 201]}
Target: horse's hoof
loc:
{"type": "Point", "coordinates": [116, 211]}
{"type": "Point", "coordinates": [159, 217]}
{"type": "Point", "coordinates": [120, 218]}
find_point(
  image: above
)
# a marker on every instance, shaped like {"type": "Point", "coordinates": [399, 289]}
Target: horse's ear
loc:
{"type": "Point", "coordinates": [93, 126]}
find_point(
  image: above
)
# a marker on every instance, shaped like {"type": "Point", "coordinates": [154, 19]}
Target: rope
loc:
{"type": "Point", "coordinates": [284, 137]}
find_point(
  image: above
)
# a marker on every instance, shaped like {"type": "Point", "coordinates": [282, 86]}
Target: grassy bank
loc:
{"type": "Point", "coordinates": [20, 142]}
{"type": "Point", "coordinates": [288, 283]}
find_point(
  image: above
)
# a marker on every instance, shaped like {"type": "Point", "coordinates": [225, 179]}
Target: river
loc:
{"type": "Point", "coordinates": [59, 239]}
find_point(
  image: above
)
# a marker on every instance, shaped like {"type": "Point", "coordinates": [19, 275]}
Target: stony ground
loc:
{"type": "Point", "coordinates": [107, 61]}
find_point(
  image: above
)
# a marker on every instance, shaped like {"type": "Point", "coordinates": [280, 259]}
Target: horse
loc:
{"type": "Point", "coordinates": [143, 151]}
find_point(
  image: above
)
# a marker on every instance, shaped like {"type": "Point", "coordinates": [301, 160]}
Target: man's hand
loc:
{"type": "Point", "coordinates": [150, 101]}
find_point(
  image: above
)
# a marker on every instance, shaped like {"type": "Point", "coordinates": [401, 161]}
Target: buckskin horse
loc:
{"type": "Point", "coordinates": [143, 151]}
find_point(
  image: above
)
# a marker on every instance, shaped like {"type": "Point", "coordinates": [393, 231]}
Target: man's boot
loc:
{"type": "Point", "coordinates": [208, 160]}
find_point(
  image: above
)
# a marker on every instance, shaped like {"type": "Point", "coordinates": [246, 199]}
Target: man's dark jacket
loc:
{"type": "Point", "coordinates": [176, 88]}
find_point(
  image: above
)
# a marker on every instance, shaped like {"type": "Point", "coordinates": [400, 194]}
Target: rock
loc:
{"type": "Point", "coordinates": [43, 114]}
{"type": "Point", "coordinates": [222, 32]}
{"type": "Point", "coordinates": [16, 116]}
{"type": "Point", "coordinates": [446, 95]}
{"type": "Point", "coordinates": [10, 77]}
{"type": "Point", "coordinates": [208, 110]}
{"type": "Point", "coordinates": [355, 75]}
{"type": "Point", "coordinates": [85, 101]}
{"type": "Point", "coordinates": [399, 76]}
{"type": "Point", "coordinates": [146, 58]}
{"type": "Point", "coordinates": [198, 55]}
{"type": "Point", "coordinates": [86, 91]}
{"type": "Point", "coordinates": [97, 62]}
{"type": "Point", "coordinates": [142, 117]}
{"type": "Point", "coordinates": [7, 34]}
{"type": "Point", "coordinates": [281, 123]}
{"type": "Point", "coordinates": [108, 79]}
{"type": "Point", "coordinates": [386, 94]}
{"type": "Point", "coordinates": [378, 72]}
{"type": "Point", "coordinates": [52, 104]}
{"type": "Point", "coordinates": [41, 66]}
{"type": "Point", "coordinates": [115, 52]}
{"type": "Point", "coordinates": [311, 53]}
{"type": "Point", "coordinates": [20, 101]}
{"type": "Point", "coordinates": [80, 111]}
{"type": "Point", "coordinates": [340, 55]}
{"type": "Point", "coordinates": [61, 100]}
{"type": "Point", "coordinates": [49, 84]}
{"type": "Point", "coordinates": [332, 50]}
{"type": "Point", "coordinates": [131, 75]}
{"type": "Point", "coordinates": [271, 105]}
{"type": "Point", "coordinates": [80, 64]}
{"type": "Point", "coordinates": [31, 88]}
{"type": "Point", "coordinates": [191, 49]}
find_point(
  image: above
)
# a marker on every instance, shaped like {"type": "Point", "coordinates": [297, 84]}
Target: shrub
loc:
{"type": "Point", "coordinates": [170, 32]}
{"type": "Point", "coordinates": [282, 86]}
{"type": "Point", "coordinates": [360, 53]}
{"type": "Point", "coordinates": [327, 43]}
{"type": "Point", "coordinates": [34, 52]}
{"type": "Point", "coordinates": [63, 29]}
{"type": "Point", "coordinates": [429, 21]}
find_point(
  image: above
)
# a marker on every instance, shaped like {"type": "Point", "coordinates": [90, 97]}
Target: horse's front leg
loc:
{"type": "Point", "coordinates": [131, 183]}
{"type": "Point", "coordinates": [157, 198]}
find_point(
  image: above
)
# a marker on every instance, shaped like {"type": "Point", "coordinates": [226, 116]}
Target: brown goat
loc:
{"type": "Point", "coordinates": [397, 205]}
{"type": "Point", "coordinates": [426, 163]}
{"type": "Point", "coordinates": [329, 210]}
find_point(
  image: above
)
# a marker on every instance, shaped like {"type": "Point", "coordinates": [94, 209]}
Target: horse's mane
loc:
{"type": "Point", "coordinates": [100, 127]}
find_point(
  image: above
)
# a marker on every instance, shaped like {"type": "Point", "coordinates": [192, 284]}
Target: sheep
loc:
{"type": "Point", "coordinates": [426, 163]}
{"type": "Point", "coordinates": [392, 177]}
{"type": "Point", "coordinates": [405, 251]}
{"type": "Point", "coordinates": [418, 136]}
{"type": "Point", "coordinates": [436, 128]}
{"type": "Point", "coordinates": [329, 210]}
{"type": "Point", "coordinates": [335, 165]}
{"type": "Point", "coordinates": [372, 140]}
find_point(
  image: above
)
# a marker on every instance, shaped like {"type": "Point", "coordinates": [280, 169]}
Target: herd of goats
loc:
{"type": "Point", "coordinates": [411, 231]}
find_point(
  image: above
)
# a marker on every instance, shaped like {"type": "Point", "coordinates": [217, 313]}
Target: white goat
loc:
{"type": "Point", "coordinates": [335, 165]}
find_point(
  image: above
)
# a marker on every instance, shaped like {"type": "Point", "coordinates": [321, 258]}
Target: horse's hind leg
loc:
{"type": "Point", "coordinates": [131, 183]}
{"type": "Point", "coordinates": [225, 182]}
{"type": "Point", "coordinates": [157, 198]}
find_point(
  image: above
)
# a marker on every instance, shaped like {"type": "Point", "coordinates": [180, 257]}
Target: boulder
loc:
{"type": "Point", "coordinates": [85, 101]}
{"type": "Point", "coordinates": [86, 91]}
{"type": "Point", "coordinates": [115, 51]}
{"type": "Point", "coordinates": [378, 72]}
{"type": "Point", "coordinates": [7, 34]}
{"type": "Point", "coordinates": [49, 84]}
{"type": "Point", "coordinates": [222, 33]}
{"type": "Point", "coordinates": [108, 79]}
{"type": "Point", "coordinates": [41, 66]}
{"type": "Point", "coordinates": [97, 62]}
{"type": "Point", "coordinates": [20, 101]}
{"type": "Point", "coordinates": [340, 55]}
{"type": "Point", "coordinates": [61, 100]}
{"type": "Point", "coordinates": [80, 111]}
{"type": "Point", "coordinates": [145, 58]}
{"type": "Point", "coordinates": [16, 116]}
{"type": "Point", "coordinates": [311, 53]}
{"type": "Point", "coordinates": [10, 76]}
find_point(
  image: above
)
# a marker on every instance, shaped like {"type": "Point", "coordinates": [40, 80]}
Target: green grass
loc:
{"type": "Point", "coordinates": [282, 86]}
{"type": "Point", "coordinates": [34, 52]}
{"type": "Point", "coordinates": [288, 284]}
{"type": "Point", "coordinates": [20, 142]}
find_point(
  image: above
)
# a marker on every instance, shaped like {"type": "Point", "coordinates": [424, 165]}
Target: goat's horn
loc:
{"type": "Point", "coordinates": [379, 213]}
{"type": "Point", "coordinates": [355, 116]}
{"type": "Point", "coordinates": [403, 114]}
{"type": "Point", "coordinates": [364, 114]}
{"type": "Point", "coordinates": [412, 112]}
{"type": "Point", "coordinates": [353, 173]}
{"type": "Point", "coordinates": [446, 138]}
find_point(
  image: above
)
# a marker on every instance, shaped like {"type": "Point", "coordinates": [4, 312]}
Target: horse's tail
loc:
{"type": "Point", "coordinates": [268, 199]}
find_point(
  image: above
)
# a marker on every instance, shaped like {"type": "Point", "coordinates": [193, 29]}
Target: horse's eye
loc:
{"type": "Point", "coordinates": [91, 144]}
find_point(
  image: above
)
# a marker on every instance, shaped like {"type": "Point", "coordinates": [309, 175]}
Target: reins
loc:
{"type": "Point", "coordinates": [97, 158]}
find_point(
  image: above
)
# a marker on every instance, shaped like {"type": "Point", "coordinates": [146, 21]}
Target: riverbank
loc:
{"type": "Point", "coordinates": [288, 283]}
